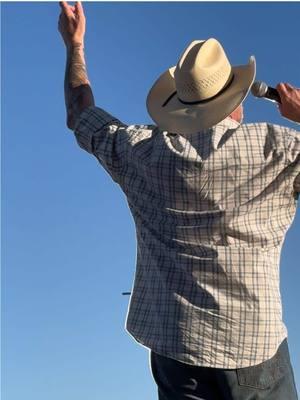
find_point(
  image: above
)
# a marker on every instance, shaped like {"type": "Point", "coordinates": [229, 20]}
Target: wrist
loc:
{"type": "Point", "coordinates": [73, 45]}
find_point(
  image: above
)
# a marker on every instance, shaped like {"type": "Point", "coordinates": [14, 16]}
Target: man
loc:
{"type": "Point", "coordinates": [212, 199]}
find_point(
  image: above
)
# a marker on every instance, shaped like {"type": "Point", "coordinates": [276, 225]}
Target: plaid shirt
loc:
{"type": "Point", "coordinates": [211, 212]}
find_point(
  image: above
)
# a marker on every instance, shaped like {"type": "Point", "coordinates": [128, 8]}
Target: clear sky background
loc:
{"type": "Point", "coordinates": [68, 238]}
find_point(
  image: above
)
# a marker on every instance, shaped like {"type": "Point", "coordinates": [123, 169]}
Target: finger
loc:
{"type": "Point", "coordinates": [79, 7]}
{"type": "Point", "coordinates": [281, 88]}
{"type": "Point", "coordinates": [63, 4]}
{"type": "Point", "coordinates": [66, 8]}
{"type": "Point", "coordinates": [289, 86]}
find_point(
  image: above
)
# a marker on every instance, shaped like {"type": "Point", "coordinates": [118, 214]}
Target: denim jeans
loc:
{"type": "Point", "coordinates": [272, 379]}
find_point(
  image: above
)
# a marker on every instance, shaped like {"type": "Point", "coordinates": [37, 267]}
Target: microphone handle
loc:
{"type": "Point", "coordinates": [273, 95]}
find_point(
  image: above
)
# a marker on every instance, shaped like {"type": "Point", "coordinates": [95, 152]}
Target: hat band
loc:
{"type": "Point", "coordinates": [200, 101]}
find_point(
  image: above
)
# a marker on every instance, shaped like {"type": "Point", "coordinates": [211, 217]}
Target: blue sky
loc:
{"type": "Point", "coordinates": [68, 237]}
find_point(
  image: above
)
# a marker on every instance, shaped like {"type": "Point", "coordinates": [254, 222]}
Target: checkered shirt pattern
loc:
{"type": "Point", "coordinates": [211, 212]}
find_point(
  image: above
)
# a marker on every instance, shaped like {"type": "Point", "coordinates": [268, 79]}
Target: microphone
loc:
{"type": "Point", "coordinates": [261, 89]}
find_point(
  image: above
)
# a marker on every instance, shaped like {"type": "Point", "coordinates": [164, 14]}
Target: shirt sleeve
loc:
{"type": "Point", "coordinates": [293, 147]}
{"type": "Point", "coordinates": [106, 137]}
{"type": "Point", "coordinates": [297, 184]}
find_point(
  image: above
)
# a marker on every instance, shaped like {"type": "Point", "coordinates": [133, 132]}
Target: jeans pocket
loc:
{"type": "Point", "coordinates": [265, 374]}
{"type": "Point", "coordinates": [160, 367]}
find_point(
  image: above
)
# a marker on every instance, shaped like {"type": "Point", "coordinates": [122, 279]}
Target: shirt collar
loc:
{"type": "Point", "coordinates": [219, 130]}
{"type": "Point", "coordinates": [216, 131]}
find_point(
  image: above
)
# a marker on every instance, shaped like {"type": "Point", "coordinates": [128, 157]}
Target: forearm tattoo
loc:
{"type": "Point", "coordinates": [76, 73]}
{"type": "Point", "coordinates": [77, 85]}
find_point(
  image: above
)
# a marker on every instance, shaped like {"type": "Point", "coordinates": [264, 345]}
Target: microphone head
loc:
{"type": "Point", "coordinates": [259, 89]}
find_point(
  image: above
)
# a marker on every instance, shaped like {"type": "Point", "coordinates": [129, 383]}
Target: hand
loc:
{"type": "Point", "coordinates": [290, 101]}
{"type": "Point", "coordinates": [71, 23]}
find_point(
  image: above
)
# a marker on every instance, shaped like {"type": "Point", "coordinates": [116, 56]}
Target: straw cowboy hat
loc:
{"type": "Point", "coordinates": [201, 90]}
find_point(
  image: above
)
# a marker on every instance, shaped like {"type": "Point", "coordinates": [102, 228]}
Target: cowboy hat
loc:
{"type": "Point", "coordinates": [201, 90]}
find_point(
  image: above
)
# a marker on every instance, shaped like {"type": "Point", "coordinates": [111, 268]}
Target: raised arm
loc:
{"type": "Point", "coordinates": [290, 109]}
{"type": "Point", "coordinates": [77, 88]}
{"type": "Point", "coordinates": [290, 101]}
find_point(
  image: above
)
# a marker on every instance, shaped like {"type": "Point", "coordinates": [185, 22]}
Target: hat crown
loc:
{"type": "Point", "coordinates": [202, 71]}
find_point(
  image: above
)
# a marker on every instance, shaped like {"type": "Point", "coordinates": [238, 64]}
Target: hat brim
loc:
{"type": "Point", "coordinates": [177, 117]}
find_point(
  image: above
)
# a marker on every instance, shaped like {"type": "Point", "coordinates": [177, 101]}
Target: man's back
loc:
{"type": "Point", "coordinates": [211, 211]}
